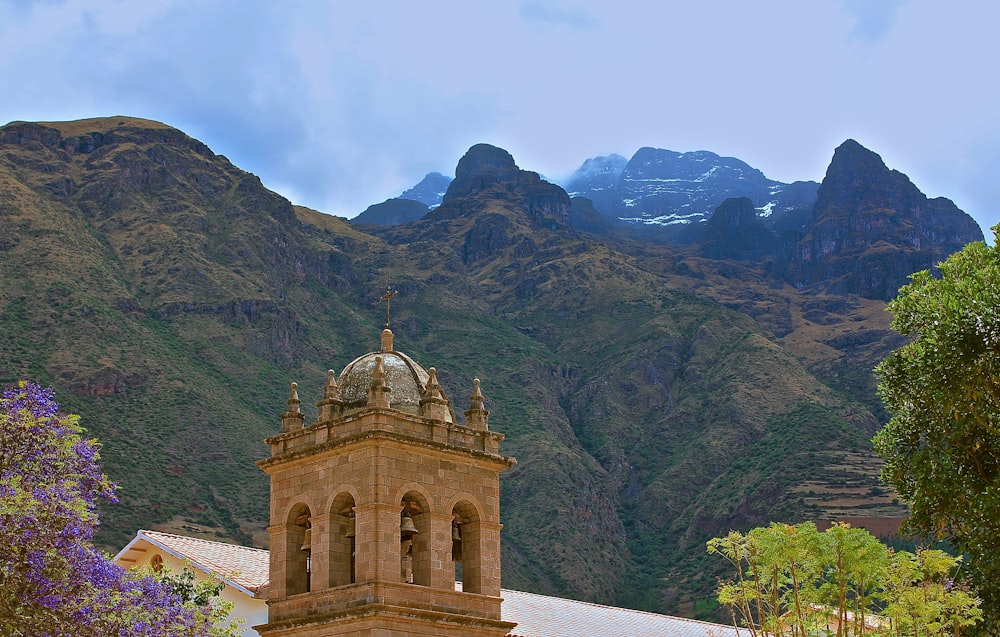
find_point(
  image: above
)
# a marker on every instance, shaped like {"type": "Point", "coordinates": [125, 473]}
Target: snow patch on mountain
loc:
{"type": "Point", "coordinates": [668, 220]}
{"type": "Point", "coordinates": [766, 209]}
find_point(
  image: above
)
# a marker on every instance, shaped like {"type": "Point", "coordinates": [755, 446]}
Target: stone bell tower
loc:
{"type": "Point", "coordinates": [380, 506]}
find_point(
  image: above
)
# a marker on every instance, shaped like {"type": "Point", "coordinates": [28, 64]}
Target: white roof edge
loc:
{"type": "Point", "coordinates": [128, 547]}
{"type": "Point", "coordinates": [618, 608]}
{"type": "Point", "coordinates": [141, 535]}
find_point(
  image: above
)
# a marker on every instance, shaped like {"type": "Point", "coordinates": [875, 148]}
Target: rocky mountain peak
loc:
{"type": "Point", "coordinates": [857, 175]}
{"type": "Point", "coordinates": [483, 158]}
{"type": "Point", "coordinates": [391, 212]}
{"type": "Point", "coordinates": [482, 166]}
{"type": "Point", "coordinates": [89, 135]}
{"type": "Point", "coordinates": [597, 172]}
{"type": "Point", "coordinates": [492, 207]}
{"type": "Point", "coordinates": [735, 231]}
{"type": "Point", "coordinates": [871, 227]}
{"type": "Point", "coordinates": [695, 165]}
{"type": "Point", "coordinates": [671, 193]}
{"type": "Point", "coordinates": [852, 153]}
{"type": "Point", "coordinates": [430, 191]}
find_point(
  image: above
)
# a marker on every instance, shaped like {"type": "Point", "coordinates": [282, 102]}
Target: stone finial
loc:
{"type": "Point", "coordinates": [433, 388]}
{"type": "Point", "coordinates": [329, 407]}
{"type": "Point", "coordinates": [378, 392]}
{"type": "Point", "coordinates": [477, 399]}
{"type": "Point", "coordinates": [477, 416]}
{"type": "Point", "coordinates": [433, 404]}
{"type": "Point", "coordinates": [387, 340]}
{"type": "Point", "coordinates": [331, 390]}
{"type": "Point", "coordinates": [293, 418]}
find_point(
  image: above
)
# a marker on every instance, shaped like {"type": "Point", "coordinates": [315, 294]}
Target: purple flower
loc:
{"type": "Point", "coordinates": [54, 581]}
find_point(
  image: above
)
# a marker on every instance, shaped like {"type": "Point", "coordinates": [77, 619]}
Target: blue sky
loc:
{"type": "Point", "coordinates": [340, 104]}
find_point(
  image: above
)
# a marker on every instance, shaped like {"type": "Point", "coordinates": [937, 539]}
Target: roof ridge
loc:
{"type": "Point", "coordinates": [203, 540]}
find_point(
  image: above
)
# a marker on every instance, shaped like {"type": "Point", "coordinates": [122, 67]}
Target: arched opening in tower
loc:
{"type": "Point", "coordinates": [342, 544]}
{"type": "Point", "coordinates": [465, 547]}
{"type": "Point", "coordinates": [298, 550]}
{"type": "Point", "coordinates": [414, 540]}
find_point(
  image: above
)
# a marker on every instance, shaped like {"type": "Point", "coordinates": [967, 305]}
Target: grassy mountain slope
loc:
{"type": "Point", "coordinates": [652, 397]}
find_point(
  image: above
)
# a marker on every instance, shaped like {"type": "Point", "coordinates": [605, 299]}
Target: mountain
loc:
{"type": "Point", "coordinates": [735, 231]}
{"type": "Point", "coordinates": [864, 230]}
{"type": "Point", "coordinates": [146, 279]}
{"type": "Point", "coordinates": [409, 206]}
{"type": "Point", "coordinates": [597, 179]}
{"type": "Point", "coordinates": [391, 212]}
{"type": "Point", "coordinates": [674, 415]}
{"type": "Point", "coordinates": [871, 227]}
{"type": "Point", "coordinates": [674, 192]}
{"type": "Point", "coordinates": [654, 394]}
{"type": "Point", "coordinates": [430, 191]}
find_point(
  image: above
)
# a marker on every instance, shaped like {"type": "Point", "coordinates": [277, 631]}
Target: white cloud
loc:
{"type": "Point", "coordinates": [873, 18]}
{"type": "Point", "coordinates": [547, 14]}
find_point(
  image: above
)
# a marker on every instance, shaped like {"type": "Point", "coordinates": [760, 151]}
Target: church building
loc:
{"type": "Point", "coordinates": [385, 521]}
{"type": "Point", "coordinates": [381, 505]}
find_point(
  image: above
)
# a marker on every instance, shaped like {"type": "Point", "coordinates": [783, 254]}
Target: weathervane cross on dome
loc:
{"type": "Point", "coordinates": [387, 297]}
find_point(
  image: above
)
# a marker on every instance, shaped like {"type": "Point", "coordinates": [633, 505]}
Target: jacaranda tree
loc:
{"type": "Point", "coordinates": [53, 582]}
{"type": "Point", "coordinates": [942, 444]}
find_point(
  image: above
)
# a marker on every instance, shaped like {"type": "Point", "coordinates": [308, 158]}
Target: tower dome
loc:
{"type": "Point", "coordinates": [407, 379]}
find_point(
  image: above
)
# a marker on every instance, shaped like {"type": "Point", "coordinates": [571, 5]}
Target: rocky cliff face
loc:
{"type": "Point", "coordinates": [871, 228]}
{"type": "Point", "coordinates": [489, 173]}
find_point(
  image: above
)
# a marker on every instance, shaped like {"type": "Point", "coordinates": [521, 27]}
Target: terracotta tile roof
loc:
{"type": "Point", "coordinates": [248, 568]}
{"type": "Point", "coordinates": [542, 616]}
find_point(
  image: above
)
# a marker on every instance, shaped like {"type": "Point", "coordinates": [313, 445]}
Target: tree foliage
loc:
{"type": "Point", "coordinates": [796, 581]}
{"type": "Point", "coordinates": [203, 596]}
{"type": "Point", "coordinates": [942, 444]}
{"type": "Point", "coordinates": [53, 582]}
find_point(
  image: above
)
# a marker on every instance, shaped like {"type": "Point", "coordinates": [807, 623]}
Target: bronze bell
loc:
{"type": "Point", "coordinates": [307, 541]}
{"type": "Point", "coordinates": [406, 527]}
{"type": "Point", "coordinates": [350, 527]}
{"type": "Point", "coordinates": [456, 541]}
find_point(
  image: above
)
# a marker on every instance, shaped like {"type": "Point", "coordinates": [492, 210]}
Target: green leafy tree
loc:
{"type": "Point", "coordinates": [942, 444]}
{"type": "Point", "coordinates": [795, 581]}
{"type": "Point", "coordinates": [855, 573]}
{"type": "Point", "coordinates": [212, 613]}
{"type": "Point", "coordinates": [921, 598]}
